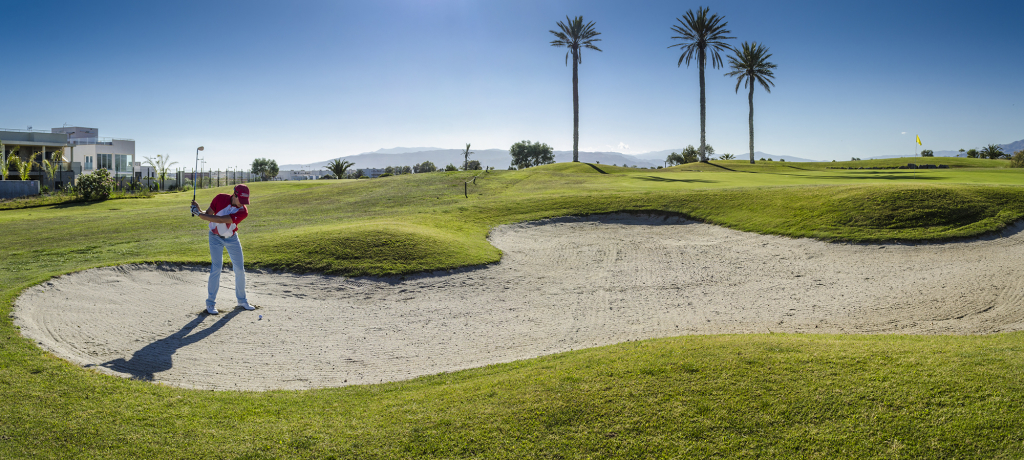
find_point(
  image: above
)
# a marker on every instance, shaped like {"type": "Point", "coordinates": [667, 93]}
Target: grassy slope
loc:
{"type": "Point", "coordinates": [719, 396]}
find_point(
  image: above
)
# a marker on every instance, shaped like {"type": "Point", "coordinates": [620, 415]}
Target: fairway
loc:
{"type": "Point", "coordinates": [897, 290]}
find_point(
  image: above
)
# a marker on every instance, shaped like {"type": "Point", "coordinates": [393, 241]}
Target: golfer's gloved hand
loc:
{"type": "Point", "coordinates": [195, 210]}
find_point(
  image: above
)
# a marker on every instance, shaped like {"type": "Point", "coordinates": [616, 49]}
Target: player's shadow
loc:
{"type": "Point", "coordinates": [156, 357]}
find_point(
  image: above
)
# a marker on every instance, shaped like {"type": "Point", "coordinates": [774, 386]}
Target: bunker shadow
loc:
{"type": "Point", "coordinates": [666, 179]}
{"type": "Point", "coordinates": [596, 168]}
{"type": "Point", "coordinates": [156, 357]}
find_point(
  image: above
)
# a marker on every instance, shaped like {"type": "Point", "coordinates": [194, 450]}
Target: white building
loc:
{"type": "Point", "coordinates": [94, 152]}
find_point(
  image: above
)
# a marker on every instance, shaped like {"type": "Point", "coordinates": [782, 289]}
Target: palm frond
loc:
{"type": "Point", "coordinates": [702, 35]}
{"type": "Point", "coordinates": [750, 64]}
{"type": "Point", "coordinates": [575, 35]}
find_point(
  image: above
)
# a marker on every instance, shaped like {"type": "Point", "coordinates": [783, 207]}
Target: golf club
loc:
{"type": "Point", "coordinates": [200, 149]}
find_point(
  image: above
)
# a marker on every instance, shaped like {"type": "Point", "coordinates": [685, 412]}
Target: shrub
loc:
{"type": "Point", "coordinates": [387, 174]}
{"type": "Point", "coordinates": [473, 165]}
{"type": "Point", "coordinates": [95, 186]}
{"type": "Point", "coordinates": [1017, 160]}
{"type": "Point", "coordinates": [927, 153]}
{"type": "Point", "coordinates": [450, 167]}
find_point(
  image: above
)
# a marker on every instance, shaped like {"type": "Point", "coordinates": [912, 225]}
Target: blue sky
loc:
{"type": "Point", "coordinates": [307, 81]}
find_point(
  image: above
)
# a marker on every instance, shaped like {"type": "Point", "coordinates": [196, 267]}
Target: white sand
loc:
{"type": "Point", "coordinates": [562, 284]}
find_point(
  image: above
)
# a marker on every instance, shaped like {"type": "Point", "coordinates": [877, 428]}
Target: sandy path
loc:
{"type": "Point", "coordinates": [562, 284]}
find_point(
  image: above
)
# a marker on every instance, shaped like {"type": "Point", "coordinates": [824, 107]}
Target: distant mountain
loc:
{"type": "Point", "coordinates": [1007, 148]}
{"type": "Point", "coordinates": [407, 149]}
{"type": "Point", "coordinates": [499, 159]}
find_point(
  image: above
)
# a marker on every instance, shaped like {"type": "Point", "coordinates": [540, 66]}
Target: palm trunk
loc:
{"type": "Point", "coordinates": [575, 109]}
{"type": "Point", "coordinates": [750, 99]}
{"type": "Point", "coordinates": [700, 62]}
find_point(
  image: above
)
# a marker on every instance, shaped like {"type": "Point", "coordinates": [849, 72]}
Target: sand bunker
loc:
{"type": "Point", "coordinates": [562, 284]}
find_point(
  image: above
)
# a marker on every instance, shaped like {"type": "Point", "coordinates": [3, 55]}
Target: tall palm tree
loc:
{"type": "Point", "coordinates": [750, 65]}
{"type": "Point", "coordinates": [575, 36]}
{"type": "Point", "coordinates": [701, 35]}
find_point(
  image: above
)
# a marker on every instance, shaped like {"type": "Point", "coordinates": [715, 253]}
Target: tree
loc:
{"type": "Point", "coordinates": [405, 170]}
{"type": "Point", "coordinates": [701, 35]}
{"type": "Point", "coordinates": [575, 36]}
{"type": "Point", "coordinates": [729, 156]}
{"type": "Point", "coordinates": [10, 162]}
{"type": "Point", "coordinates": [473, 165]}
{"type": "Point", "coordinates": [359, 173]}
{"type": "Point", "coordinates": [389, 170]}
{"type": "Point", "coordinates": [424, 167]}
{"type": "Point", "coordinates": [160, 166]}
{"type": "Point", "coordinates": [927, 153]}
{"type": "Point", "coordinates": [338, 167]}
{"type": "Point", "coordinates": [973, 153]}
{"type": "Point", "coordinates": [750, 65]}
{"type": "Point", "coordinates": [265, 169]}
{"type": "Point", "coordinates": [451, 167]}
{"type": "Point", "coordinates": [3, 159]}
{"type": "Point", "coordinates": [675, 159]}
{"type": "Point", "coordinates": [961, 151]}
{"type": "Point", "coordinates": [691, 154]}
{"type": "Point", "coordinates": [526, 154]}
{"type": "Point", "coordinates": [991, 152]}
{"type": "Point", "coordinates": [466, 153]}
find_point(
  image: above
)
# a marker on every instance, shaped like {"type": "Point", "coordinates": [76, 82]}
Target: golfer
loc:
{"type": "Point", "coordinates": [224, 215]}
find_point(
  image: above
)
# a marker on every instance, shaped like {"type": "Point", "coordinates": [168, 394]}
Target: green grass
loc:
{"type": "Point", "coordinates": [764, 396]}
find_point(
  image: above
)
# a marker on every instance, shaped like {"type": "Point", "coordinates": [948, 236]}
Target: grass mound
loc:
{"type": "Point", "coordinates": [381, 248]}
{"type": "Point", "coordinates": [936, 207]}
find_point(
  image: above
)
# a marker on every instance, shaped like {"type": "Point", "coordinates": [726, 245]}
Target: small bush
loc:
{"type": "Point", "coordinates": [385, 175]}
{"type": "Point", "coordinates": [96, 186]}
{"type": "Point", "coordinates": [451, 167]}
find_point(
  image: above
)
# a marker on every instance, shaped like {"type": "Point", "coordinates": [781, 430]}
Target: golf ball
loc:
{"type": "Point", "coordinates": [261, 317]}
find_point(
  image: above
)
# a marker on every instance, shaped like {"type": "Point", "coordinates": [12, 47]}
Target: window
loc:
{"type": "Point", "coordinates": [88, 162]}
{"type": "Point", "coordinates": [104, 161]}
{"type": "Point", "coordinates": [122, 162]}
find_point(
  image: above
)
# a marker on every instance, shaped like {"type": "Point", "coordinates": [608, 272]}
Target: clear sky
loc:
{"type": "Point", "coordinates": [304, 81]}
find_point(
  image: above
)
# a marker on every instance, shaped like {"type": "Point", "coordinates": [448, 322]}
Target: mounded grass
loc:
{"type": "Point", "coordinates": [768, 396]}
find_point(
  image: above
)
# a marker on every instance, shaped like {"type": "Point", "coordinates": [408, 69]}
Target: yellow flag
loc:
{"type": "Point", "coordinates": [919, 140]}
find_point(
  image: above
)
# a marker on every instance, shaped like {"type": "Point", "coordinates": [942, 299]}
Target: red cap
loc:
{"type": "Point", "coordinates": [242, 191]}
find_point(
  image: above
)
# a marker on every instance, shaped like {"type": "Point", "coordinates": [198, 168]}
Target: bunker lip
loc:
{"type": "Point", "coordinates": [562, 284]}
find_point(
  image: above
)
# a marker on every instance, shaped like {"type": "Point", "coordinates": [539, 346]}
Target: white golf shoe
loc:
{"type": "Point", "coordinates": [247, 306]}
{"type": "Point", "coordinates": [212, 310]}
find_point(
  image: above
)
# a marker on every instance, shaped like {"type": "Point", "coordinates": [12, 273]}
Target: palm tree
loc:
{"type": "Point", "coordinates": [10, 161]}
{"type": "Point", "coordinates": [25, 167]}
{"type": "Point", "coordinates": [750, 65]}
{"type": "Point", "coordinates": [338, 167]}
{"type": "Point", "coordinates": [466, 153]}
{"type": "Point", "coordinates": [575, 36]}
{"type": "Point", "coordinates": [701, 35]}
{"type": "Point", "coordinates": [991, 152]}
{"type": "Point", "coordinates": [161, 166]}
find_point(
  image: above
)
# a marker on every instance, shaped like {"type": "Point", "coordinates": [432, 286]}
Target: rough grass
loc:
{"type": "Point", "coordinates": [735, 396]}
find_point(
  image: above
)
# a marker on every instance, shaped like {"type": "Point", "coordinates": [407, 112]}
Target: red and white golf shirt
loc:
{"type": "Point", "coordinates": [221, 206]}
